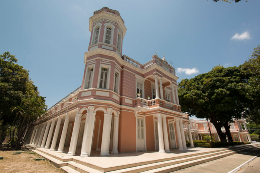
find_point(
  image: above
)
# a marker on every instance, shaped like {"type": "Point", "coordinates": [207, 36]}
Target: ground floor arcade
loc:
{"type": "Point", "coordinates": [105, 130]}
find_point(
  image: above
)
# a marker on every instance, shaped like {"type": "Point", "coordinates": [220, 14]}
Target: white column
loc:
{"type": "Point", "coordinates": [56, 133]}
{"type": "Point", "coordinates": [239, 137]}
{"type": "Point", "coordinates": [179, 134]}
{"type": "Point", "coordinates": [177, 97]}
{"type": "Point", "coordinates": [182, 134]}
{"type": "Point", "coordinates": [156, 88]}
{"type": "Point", "coordinates": [161, 89]}
{"type": "Point", "coordinates": [191, 140]}
{"type": "Point", "coordinates": [106, 133]}
{"type": "Point", "coordinates": [41, 135]}
{"type": "Point", "coordinates": [33, 133]}
{"type": "Point", "coordinates": [64, 133]}
{"type": "Point", "coordinates": [165, 135]}
{"type": "Point", "coordinates": [75, 134]}
{"type": "Point", "coordinates": [50, 134]}
{"type": "Point", "coordinates": [37, 135]}
{"type": "Point", "coordinates": [245, 126]}
{"type": "Point", "coordinates": [115, 137]}
{"type": "Point", "coordinates": [249, 138]}
{"type": "Point", "coordinates": [160, 134]}
{"type": "Point", "coordinates": [34, 139]}
{"type": "Point", "coordinates": [45, 134]}
{"type": "Point", "coordinates": [173, 94]}
{"type": "Point", "coordinates": [88, 132]}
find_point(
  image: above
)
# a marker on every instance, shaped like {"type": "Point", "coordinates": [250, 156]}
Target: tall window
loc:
{"type": "Point", "coordinates": [205, 126]}
{"type": "Point", "coordinates": [108, 35]}
{"type": "Point", "coordinates": [153, 92]}
{"type": "Point", "coordinates": [116, 82]}
{"type": "Point", "coordinates": [103, 78]}
{"type": "Point", "coordinates": [96, 33]}
{"type": "Point", "coordinates": [88, 79]}
{"type": "Point", "coordinates": [140, 125]}
{"type": "Point", "coordinates": [118, 42]}
{"type": "Point", "coordinates": [167, 96]}
{"type": "Point", "coordinates": [139, 89]}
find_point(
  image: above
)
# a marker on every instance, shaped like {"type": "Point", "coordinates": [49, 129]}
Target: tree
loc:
{"type": "Point", "coordinates": [217, 95]}
{"type": "Point", "coordinates": [252, 70]}
{"type": "Point", "coordinates": [229, 1]}
{"type": "Point", "coordinates": [21, 103]}
{"type": "Point", "coordinates": [254, 129]}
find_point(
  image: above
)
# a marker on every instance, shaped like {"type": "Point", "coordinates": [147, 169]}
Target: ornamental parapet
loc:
{"type": "Point", "coordinates": [144, 103]}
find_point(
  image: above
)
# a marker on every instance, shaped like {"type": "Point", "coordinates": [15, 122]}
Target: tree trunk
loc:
{"type": "Point", "coordinates": [3, 134]}
{"type": "Point", "coordinates": [218, 125]}
{"type": "Point", "coordinates": [227, 128]}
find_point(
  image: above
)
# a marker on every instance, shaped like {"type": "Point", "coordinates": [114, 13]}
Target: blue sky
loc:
{"type": "Point", "coordinates": [50, 37]}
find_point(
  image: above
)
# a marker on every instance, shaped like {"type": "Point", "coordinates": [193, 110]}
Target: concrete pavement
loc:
{"type": "Point", "coordinates": [227, 164]}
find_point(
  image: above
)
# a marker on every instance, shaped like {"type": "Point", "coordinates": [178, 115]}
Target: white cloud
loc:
{"type": "Point", "coordinates": [226, 64]}
{"type": "Point", "coordinates": [243, 36]}
{"type": "Point", "coordinates": [188, 71]}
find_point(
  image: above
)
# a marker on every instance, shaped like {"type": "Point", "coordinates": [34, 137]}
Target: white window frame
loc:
{"type": "Point", "coordinates": [117, 85]}
{"type": "Point", "coordinates": [141, 80]}
{"type": "Point", "coordinates": [108, 75]}
{"type": "Point", "coordinates": [119, 42]}
{"type": "Point", "coordinates": [93, 33]}
{"type": "Point", "coordinates": [136, 121]}
{"type": "Point", "coordinates": [205, 126]}
{"type": "Point", "coordinates": [153, 88]}
{"type": "Point", "coordinates": [174, 133]}
{"type": "Point", "coordinates": [112, 32]}
{"type": "Point", "coordinates": [167, 92]}
{"type": "Point", "coordinates": [86, 75]}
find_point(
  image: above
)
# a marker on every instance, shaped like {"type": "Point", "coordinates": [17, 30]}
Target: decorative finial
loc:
{"type": "Point", "coordinates": [155, 53]}
{"type": "Point", "coordinates": [163, 58]}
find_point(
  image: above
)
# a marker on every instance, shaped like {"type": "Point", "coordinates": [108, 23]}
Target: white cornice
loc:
{"type": "Point", "coordinates": [125, 63]}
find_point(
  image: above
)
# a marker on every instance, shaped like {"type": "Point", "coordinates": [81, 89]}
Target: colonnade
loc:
{"type": "Point", "coordinates": [46, 134]}
{"type": "Point", "coordinates": [163, 134]}
{"type": "Point", "coordinates": [174, 90]}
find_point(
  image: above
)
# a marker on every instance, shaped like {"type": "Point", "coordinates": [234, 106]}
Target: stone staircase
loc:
{"type": "Point", "coordinates": [74, 165]}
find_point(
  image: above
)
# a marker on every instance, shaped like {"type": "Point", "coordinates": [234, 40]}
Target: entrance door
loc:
{"type": "Point", "coordinates": [156, 135]}
{"type": "Point", "coordinates": [172, 135]}
{"type": "Point", "coordinates": [140, 134]}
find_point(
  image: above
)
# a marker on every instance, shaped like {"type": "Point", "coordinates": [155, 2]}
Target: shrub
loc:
{"type": "Point", "coordinates": [188, 143]}
{"type": "Point", "coordinates": [254, 137]}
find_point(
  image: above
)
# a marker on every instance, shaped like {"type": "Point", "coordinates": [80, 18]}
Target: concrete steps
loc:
{"type": "Point", "coordinates": [163, 164]}
{"type": "Point", "coordinates": [69, 169]}
{"type": "Point", "coordinates": [56, 162]}
{"type": "Point", "coordinates": [75, 165]}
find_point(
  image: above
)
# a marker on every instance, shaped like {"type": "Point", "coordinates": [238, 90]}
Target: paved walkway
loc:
{"type": "Point", "coordinates": [227, 164]}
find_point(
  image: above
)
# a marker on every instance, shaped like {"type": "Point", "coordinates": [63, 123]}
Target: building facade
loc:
{"type": "Point", "coordinates": [199, 128]}
{"type": "Point", "coordinates": [121, 105]}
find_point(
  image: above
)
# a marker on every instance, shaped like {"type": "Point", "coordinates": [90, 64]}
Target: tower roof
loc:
{"type": "Point", "coordinates": [108, 14]}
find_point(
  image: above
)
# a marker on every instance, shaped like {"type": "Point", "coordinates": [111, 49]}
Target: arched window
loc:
{"type": "Point", "coordinates": [108, 35]}
{"type": "Point", "coordinates": [118, 42]}
{"type": "Point", "coordinates": [96, 33]}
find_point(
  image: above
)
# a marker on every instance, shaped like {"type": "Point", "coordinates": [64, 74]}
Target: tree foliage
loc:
{"type": "Point", "coordinates": [217, 95]}
{"type": "Point", "coordinates": [252, 70]}
{"type": "Point", "coordinates": [21, 103]}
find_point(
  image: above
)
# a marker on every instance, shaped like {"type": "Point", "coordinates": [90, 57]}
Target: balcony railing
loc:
{"type": "Point", "coordinates": [140, 102]}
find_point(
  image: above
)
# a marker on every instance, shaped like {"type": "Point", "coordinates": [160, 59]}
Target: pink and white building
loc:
{"type": "Point", "coordinates": [199, 128]}
{"type": "Point", "coordinates": [121, 105]}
